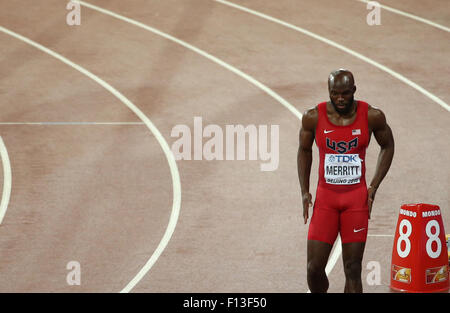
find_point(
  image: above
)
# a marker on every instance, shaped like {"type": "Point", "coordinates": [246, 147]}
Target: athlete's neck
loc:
{"type": "Point", "coordinates": [347, 114]}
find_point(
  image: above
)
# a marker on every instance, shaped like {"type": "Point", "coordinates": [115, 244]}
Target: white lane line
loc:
{"type": "Point", "coordinates": [412, 16]}
{"type": "Point", "coordinates": [165, 147]}
{"type": "Point", "coordinates": [7, 180]}
{"type": "Point", "coordinates": [334, 256]}
{"type": "Point", "coordinates": [71, 123]}
{"type": "Point", "coordinates": [214, 59]}
{"type": "Point", "coordinates": [342, 48]}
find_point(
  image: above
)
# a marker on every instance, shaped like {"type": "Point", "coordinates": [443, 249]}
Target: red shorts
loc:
{"type": "Point", "coordinates": [340, 210]}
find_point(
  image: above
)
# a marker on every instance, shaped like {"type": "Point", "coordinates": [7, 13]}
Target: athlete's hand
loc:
{"type": "Point", "coordinates": [306, 198]}
{"type": "Point", "coordinates": [371, 191]}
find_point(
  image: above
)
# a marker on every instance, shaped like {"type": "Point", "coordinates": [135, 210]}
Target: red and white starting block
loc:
{"type": "Point", "coordinates": [420, 257]}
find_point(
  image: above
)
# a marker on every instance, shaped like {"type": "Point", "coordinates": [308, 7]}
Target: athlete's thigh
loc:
{"type": "Point", "coordinates": [354, 225]}
{"type": "Point", "coordinates": [354, 218]}
{"type": "Point", "coordinates": [324, 225]}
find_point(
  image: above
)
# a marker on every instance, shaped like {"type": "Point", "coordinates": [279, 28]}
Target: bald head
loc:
{"type": "Point", "coordinates": [341, 87]}
{"type": "Point", "coordinates": [340, 78]}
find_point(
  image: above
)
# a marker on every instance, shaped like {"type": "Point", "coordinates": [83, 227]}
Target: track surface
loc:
{"type": "Point", "coordinates": [102, 194]}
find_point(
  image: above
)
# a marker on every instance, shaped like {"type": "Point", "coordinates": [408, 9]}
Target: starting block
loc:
{"type": "Point", "coordinates": [420, 256]}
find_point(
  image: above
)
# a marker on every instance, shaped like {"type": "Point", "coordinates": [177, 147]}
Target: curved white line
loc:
{"type": "Point", "coordinates": [334, 256]}
{"type": "Point", "coordinates": [343, 48]}
{"type": "Point", "coordinates": [165, 147]}
{"type": "Point", "coordinates": [7, 180]}
{"type": "Point", "coordinates": [412, 16]}
{"type": "Point", "coordinates": [216, 60]}
{"type": "Point", "coordinates": [338, 249]}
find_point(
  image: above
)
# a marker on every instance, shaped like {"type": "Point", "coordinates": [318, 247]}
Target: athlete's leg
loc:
{"type": "Point", "coordinates": [317, 258]}
{"type": "Point", "coordinates": [323, 230]}
{"type": "Point", "coordinates": [352, 255]}
{"type": "Point", "coordinates": [354, 223]}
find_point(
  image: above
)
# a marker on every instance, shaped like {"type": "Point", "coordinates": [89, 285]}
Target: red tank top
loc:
{"type": "Point", "coordinates": [342, 149]}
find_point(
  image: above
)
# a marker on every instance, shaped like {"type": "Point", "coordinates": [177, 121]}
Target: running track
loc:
{"type": "Point", "coordinates": [87, 115]}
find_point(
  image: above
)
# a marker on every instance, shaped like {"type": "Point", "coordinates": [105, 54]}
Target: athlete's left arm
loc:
{"type": "Point", "coordinates": [383, 134]}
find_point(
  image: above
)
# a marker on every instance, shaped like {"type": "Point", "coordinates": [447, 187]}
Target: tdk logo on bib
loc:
{"type": "Point", "coordinates": [342, 169]}
{"type": "Point", "coordinates": [344, 158]}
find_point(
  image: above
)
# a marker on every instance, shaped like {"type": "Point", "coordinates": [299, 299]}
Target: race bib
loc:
{"type": "Point", "coordinates": [342, 169]}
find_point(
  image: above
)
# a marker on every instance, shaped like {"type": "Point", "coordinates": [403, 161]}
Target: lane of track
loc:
{"type": "Point", "coordinates": [358, 55]}
{"type": "Point", "coordinates": [337, 250]}
{"type": "Point", "coordinates": [411, 16]}
{"type": "Point", "coordinates": [176, 202]}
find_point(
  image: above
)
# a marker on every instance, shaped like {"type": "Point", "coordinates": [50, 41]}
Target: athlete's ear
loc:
{"type": "Point", "coordinates": [354, 88]}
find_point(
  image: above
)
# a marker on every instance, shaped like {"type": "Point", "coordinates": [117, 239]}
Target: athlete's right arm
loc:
{"type": "Point", "coordinates": [304, 157]}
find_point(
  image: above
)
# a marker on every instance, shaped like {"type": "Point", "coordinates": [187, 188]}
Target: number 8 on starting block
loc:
{"type": "Point", "coordinates": [419, 255]}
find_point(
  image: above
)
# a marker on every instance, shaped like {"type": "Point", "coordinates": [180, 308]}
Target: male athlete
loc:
{"type": "Point", "coordinates": [342, 128]}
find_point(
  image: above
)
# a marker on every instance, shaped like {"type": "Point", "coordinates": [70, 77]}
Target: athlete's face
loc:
{"type": "Point", "coordinates": [342, 90]}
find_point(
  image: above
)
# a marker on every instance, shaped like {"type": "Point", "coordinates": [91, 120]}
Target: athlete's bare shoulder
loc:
{"type": "Point", "coordinates": [310, 118]}
{"type": "Point", "coordinates": [376, 118]}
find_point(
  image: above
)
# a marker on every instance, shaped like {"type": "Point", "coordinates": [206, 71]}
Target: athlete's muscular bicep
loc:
{"type": "Point", "coordinates": [306, 140]}
{"type": "Point", "coordinates": [383, 134]}
{"type": "Point", "coordinates": [307, 131]}
{"type": "Point", "coordinates": [380, 128]}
